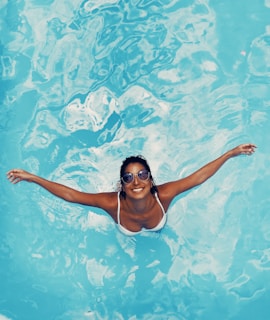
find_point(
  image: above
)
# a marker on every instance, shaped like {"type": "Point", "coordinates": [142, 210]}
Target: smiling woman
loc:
{"type": "Point", "coordinates": [141, 204]}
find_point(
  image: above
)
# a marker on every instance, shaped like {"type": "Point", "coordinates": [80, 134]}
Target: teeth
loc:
{"type": "Point", "coordinates": [138, 190]}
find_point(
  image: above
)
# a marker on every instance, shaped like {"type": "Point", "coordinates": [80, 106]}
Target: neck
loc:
{"type": "Point", "coordinates": [140, 205]}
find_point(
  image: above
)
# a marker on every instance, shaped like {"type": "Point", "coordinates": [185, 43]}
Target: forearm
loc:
{"type": "Point", "coordinates": [59, 190]}
{"type": "Point", "coordinates": [55, 188]}
{"type": "Point", "coordinates": [198, 177]}
{"type": "Point", "coordinates": [211, 168]}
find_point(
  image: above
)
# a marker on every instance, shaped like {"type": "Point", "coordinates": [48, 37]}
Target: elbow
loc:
{"type": "Point", "coordinates": [69, 196]}
{"type": "Point", "coordinates": [202, 179]}
{"type": "Point", "coordinates": [74, 196]}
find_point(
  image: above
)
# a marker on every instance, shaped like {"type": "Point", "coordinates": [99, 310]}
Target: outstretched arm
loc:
{"type": "Point", "coordinates": [198, 177]}
{"type": "Point", "coordinates": [60, 190]}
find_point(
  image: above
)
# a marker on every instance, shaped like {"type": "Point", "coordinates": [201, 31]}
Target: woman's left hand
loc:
{"type": "Point", "coordinates": [246, 148]}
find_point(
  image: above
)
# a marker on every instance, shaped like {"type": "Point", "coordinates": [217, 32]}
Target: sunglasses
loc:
{"type": "Point", "coordinates": [142, 175]}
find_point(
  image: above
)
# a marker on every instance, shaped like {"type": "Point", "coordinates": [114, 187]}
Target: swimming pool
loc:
{"type": "Point", "coordinates": [85, 84]}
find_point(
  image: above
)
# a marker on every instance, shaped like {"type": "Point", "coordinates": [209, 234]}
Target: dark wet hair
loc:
{"type": "Point", "coordinates": [136, 159]}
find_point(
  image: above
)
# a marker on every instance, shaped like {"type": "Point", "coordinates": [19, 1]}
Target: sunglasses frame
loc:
{"type": "Point", "coordinates": [143, 171]}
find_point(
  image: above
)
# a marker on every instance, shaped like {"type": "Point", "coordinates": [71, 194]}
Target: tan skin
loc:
{"type": "Point", "coordinates": [139, 209]}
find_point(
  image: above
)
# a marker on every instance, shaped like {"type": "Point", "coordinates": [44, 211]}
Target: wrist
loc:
{"type": "Point", "coordinates": [229, 154]}
{"type": "Point", "coordinates": [233, 153]}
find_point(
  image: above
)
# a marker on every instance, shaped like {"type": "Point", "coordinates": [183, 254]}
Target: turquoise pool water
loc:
{"type": "Point", "coordinates": [85, 84]}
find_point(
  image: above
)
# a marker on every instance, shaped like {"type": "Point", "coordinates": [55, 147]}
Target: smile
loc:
{"type": "Point", "coordinates": [137, 189]}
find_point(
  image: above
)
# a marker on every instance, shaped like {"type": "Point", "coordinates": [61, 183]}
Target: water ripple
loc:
{"type": "Point", "coordinates": [87, 83]}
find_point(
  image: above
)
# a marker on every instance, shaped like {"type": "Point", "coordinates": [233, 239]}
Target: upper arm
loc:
{"type": "Point", "coordinates": [174, 188]}
{"type": "Point", "coordinates": [106, 200]}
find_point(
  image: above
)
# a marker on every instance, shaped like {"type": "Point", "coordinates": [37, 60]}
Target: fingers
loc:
{"type": "Point", "coordinates": [244, 149]}
{"type": "Point", "coordinates": [249, 145]}
{"type": "Point", "coordinates": [14, 176]}
{"type": "Point", "coordinates": [248, 148]}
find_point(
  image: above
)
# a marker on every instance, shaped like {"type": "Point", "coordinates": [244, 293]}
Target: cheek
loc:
{"type": "Point", "coordinates": [148, 185]}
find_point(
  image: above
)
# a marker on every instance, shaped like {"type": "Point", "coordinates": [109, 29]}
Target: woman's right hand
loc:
{"type": "Point", "coordinates": [17, 175]}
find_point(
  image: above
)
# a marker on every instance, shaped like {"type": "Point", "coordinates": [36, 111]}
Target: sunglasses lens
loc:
{"type": "Point", "coordinates": [127, 177]}
{"type": "Point", "coordinates": [143, 174]}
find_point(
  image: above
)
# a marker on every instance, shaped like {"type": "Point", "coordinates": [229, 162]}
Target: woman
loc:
{"type": "Point", "coordinates": [140, 205]}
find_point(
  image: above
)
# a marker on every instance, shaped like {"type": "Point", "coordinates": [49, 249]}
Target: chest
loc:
{"type": "Point", "coordinates": [147, 218]}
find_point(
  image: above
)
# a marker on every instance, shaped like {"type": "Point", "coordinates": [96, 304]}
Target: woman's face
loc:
{"type": "Point", "coordinates": [138, 188]}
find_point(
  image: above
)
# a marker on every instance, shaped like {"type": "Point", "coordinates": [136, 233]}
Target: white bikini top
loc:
{"type": "Point", "coordinates": [127, 232]}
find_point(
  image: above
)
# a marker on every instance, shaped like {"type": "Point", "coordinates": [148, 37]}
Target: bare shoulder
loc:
{"type": "Point", "coordinates": [169, 190]}
{"type": "Point", "coordinates": [165, 195]}
{"type": "Point", "coordinates": [108, 202]}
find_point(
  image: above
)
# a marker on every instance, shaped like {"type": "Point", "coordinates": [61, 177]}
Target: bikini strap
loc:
{"type": "Point", "coordinates": [118, 207]}
{"type": "Point", "coordinates": [160, 204]}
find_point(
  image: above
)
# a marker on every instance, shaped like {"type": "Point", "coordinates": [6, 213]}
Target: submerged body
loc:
{"type": "Point", "coordinates": [140, 205]}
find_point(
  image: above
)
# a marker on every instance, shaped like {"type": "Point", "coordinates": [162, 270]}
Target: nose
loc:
{"type": "Point", "coordinates": [136, 179]}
